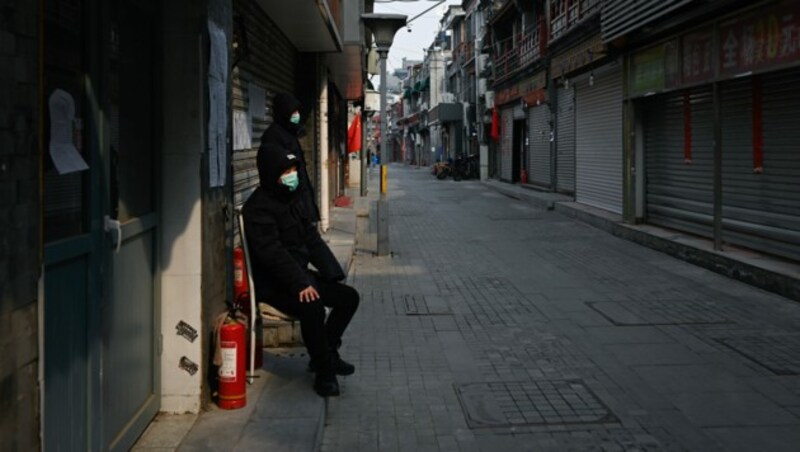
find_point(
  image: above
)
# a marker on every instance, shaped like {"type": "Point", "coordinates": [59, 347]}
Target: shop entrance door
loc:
{"type": "Point", "coordinates": [100, 228]}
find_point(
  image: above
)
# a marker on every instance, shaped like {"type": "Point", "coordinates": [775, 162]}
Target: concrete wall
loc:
{"type": "Point", "coordinates": [217, 224]}
{"type": "Point", "coordinates": [19, 226]}
{"type": "Point", "coordinates": [184, 112]}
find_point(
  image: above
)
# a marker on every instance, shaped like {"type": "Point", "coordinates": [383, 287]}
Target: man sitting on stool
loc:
{"type": "Point", "coordinates": [280, 236]}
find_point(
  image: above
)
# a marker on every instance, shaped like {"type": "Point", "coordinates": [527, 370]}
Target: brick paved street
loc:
{"type": "Point", "coordinates": [495, 326]}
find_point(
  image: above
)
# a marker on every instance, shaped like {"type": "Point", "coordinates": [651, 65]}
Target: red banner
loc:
{"type": "Point", "coordinates": [495, 132]}
{"type": "Point", "coordinates": [758, 127]}
{"type": "Point", "coordinates": [354, 134]}
{"type": "Point", "coordinates": [687, 128]}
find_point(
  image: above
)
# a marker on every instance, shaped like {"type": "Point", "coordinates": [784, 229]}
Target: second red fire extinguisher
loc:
{"type": "Point", "coordinates": [241, 285]}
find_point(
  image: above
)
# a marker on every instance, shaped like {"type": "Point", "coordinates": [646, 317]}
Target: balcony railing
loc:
{"type": "Point", "coordinates": [566, 14]}
{"type": "Point", "coordinates": [463, 53]}
{"type": "Point", "coordinates": [516, 53]}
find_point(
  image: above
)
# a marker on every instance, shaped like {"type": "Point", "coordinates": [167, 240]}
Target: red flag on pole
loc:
{"type": "Point", "coordinates": [495, 132]}
{"type": "Point", "coordinates": [354, 134]}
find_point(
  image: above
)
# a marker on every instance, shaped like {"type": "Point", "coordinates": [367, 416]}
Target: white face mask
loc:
{"type": "Point", "coordinates": [295, 118]}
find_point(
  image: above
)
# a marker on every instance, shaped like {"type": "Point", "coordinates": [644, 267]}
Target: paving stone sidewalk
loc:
{"type": "Point", "coordinates": [496, 325]}
{"type": "Point", "coordinates": [282, 414]}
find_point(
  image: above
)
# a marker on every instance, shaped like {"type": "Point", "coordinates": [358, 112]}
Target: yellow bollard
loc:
{"type": "Point", "coordinates": [383, 217]}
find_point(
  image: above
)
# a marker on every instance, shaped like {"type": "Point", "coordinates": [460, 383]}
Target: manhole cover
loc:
{"type": "Point", "coordinates": [660, 312]}
{"type": "Point", "coordinates": [422, 305]}
{"type": "Point", "coordinates": [512, 217]}
{"type": "Point", "coordinates": [543, 402]}
{"type": "Point", "coordinates": [780, 354]}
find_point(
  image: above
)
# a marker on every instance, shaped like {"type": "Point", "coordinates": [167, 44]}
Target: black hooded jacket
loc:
{"type": "Point", "coordinates": [284, 134]}
{"type": "Point", "coordinates": [276, 229]}
{"type": "Point", "coordinates": [280, 238]}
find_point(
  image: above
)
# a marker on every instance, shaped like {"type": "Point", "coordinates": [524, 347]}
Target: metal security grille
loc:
{"type": "Point", "coordinates": [620, 17]}
{"type": "Point", "coordinates": [565, 141]}
{"type": "Point", "coordinates": [680, 192]}
{"type": "Point", "coordinates": [599, 140]}
{"type": "Point", "coordinates": [506, 143]}
{"type": "Point", "coordinates": [269, 64]}
{"type": "Point", "coordinates": [762, 211]}
{"type": "Point", "coordinates": [539, 145]}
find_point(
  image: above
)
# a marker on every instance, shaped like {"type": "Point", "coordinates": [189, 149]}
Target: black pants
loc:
{"type": "Point", "coordinates": [321, 337]}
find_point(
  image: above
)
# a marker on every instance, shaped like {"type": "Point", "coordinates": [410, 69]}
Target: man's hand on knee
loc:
{"type": "Point", "coordinates": [309, 294]}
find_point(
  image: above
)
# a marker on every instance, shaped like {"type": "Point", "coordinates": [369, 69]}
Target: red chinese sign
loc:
{"type": "Point", "coordinates": [762, 40]}
{"type": "Point", "coordinates": [506, 95]}
{"type": "Point", "coordinates": [524, 88]}
{"type": "Point", "coordinates": [697, 65]}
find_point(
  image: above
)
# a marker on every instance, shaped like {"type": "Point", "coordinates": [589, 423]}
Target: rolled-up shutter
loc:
{"type": "Point", "coordinates": [565, 141]}
{"type": "Point", "coordinates": [539, 145]}
{"type": "Point", "coordinates": [762, 211]}
{"type": "Point", "coordinates": [599, 140]}
{"type": "Point", "coordinates": [271, 65]}
{"type": "Point", "coordinates": [680, 193]}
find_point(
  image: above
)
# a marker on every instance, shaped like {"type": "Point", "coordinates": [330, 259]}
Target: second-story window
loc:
{"type": "Point", "coordinates": [558, 17]}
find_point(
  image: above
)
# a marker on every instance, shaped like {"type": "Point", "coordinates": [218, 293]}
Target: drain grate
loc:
{"type": "Point", "coordinates": [780, 354]}
{"type": "Point", "coordinates": [660, 312]}
{"type": "Point", "coordinates": [521, 217]}
{"type": "Point", "coordinates": [422, 305]}
{"type": "Point", "coordinates": [522, 403]}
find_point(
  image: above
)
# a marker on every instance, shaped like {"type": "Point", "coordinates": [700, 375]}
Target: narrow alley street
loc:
{"type": "Point", "coordinates": [495, 326]}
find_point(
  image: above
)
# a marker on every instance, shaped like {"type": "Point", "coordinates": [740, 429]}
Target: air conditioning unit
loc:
{"type": "Point", "coordinates": [448, 98]}
{"type": "Point", "coordinates": [489, 99]}
{"type": "Point", "coordinates": [372, 100]}
{"type": "Point", "coordinates": [483, 58]}
{"type": "Point", "coordinates": [372, 62]}
{"type": "Point", "coordinates": [481, 86]}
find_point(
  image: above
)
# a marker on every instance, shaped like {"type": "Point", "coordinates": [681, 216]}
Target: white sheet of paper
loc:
{"type": "Point", "coordinates": [218, 101]}
{"type": "Point", "coordinates": [66, 158]}
{"type": "Point", "coordinates": [242, 135]}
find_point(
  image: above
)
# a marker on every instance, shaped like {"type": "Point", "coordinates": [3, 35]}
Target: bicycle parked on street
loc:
{"type": "Point", "coordinates": [463, 167]}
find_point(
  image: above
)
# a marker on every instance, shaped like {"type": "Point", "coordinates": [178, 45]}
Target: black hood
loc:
{"type": "Point", "coordinates": [284, 105]}
{"type": "Point", "coordinates": [272, 161]}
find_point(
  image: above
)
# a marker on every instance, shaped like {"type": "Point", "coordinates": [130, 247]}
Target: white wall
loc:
{"type": "Point", "coordinates": [183, 144]}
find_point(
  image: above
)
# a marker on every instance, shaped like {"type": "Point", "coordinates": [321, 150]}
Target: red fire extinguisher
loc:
{"type": "Point", "coordinates": [523, 176]}
{"type": "Point", "coordinates": [241, 284]}
{"type": "Point", "coordinates": [232, 374]}
{"type": "Point", "coordinates": [241, 293]}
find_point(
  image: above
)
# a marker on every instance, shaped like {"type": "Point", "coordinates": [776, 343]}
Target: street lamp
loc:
{"type": "Point", "coordinates": [383, 28]}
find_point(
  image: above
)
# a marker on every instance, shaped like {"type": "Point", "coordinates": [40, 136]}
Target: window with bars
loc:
{"type": "Point", "coordinates": [565, 14]}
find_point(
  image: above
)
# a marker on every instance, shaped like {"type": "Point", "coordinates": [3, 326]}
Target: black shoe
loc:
{"type": "Point", "coordinates": [326, 384]}
{"type": "Point", "coordinates": [340, 366]}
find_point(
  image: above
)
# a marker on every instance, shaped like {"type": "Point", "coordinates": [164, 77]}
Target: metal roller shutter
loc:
{"type": "Point", "coordinates": [539, 145]}
{"type": "Point", "coordinates": [271, 65]}
{"type": "Point", "coordinates": [680, 195]}
{"type": "Point", "coordinates": [762, 211]}
{"type": "Point", "coordinates": [506, 142]}
{"type": "Point", "coordinates": [565, 141]}
{"type": "Point", "coordinates": [598, 146]}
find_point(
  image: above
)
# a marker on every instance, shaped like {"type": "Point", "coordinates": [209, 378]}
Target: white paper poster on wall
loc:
{"type": "Point", "coordinates": [218, 105]}
{"type": "Point", "coordinates": [242, 135]}
{"type": "Point", "coordinates": [66, 157]}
